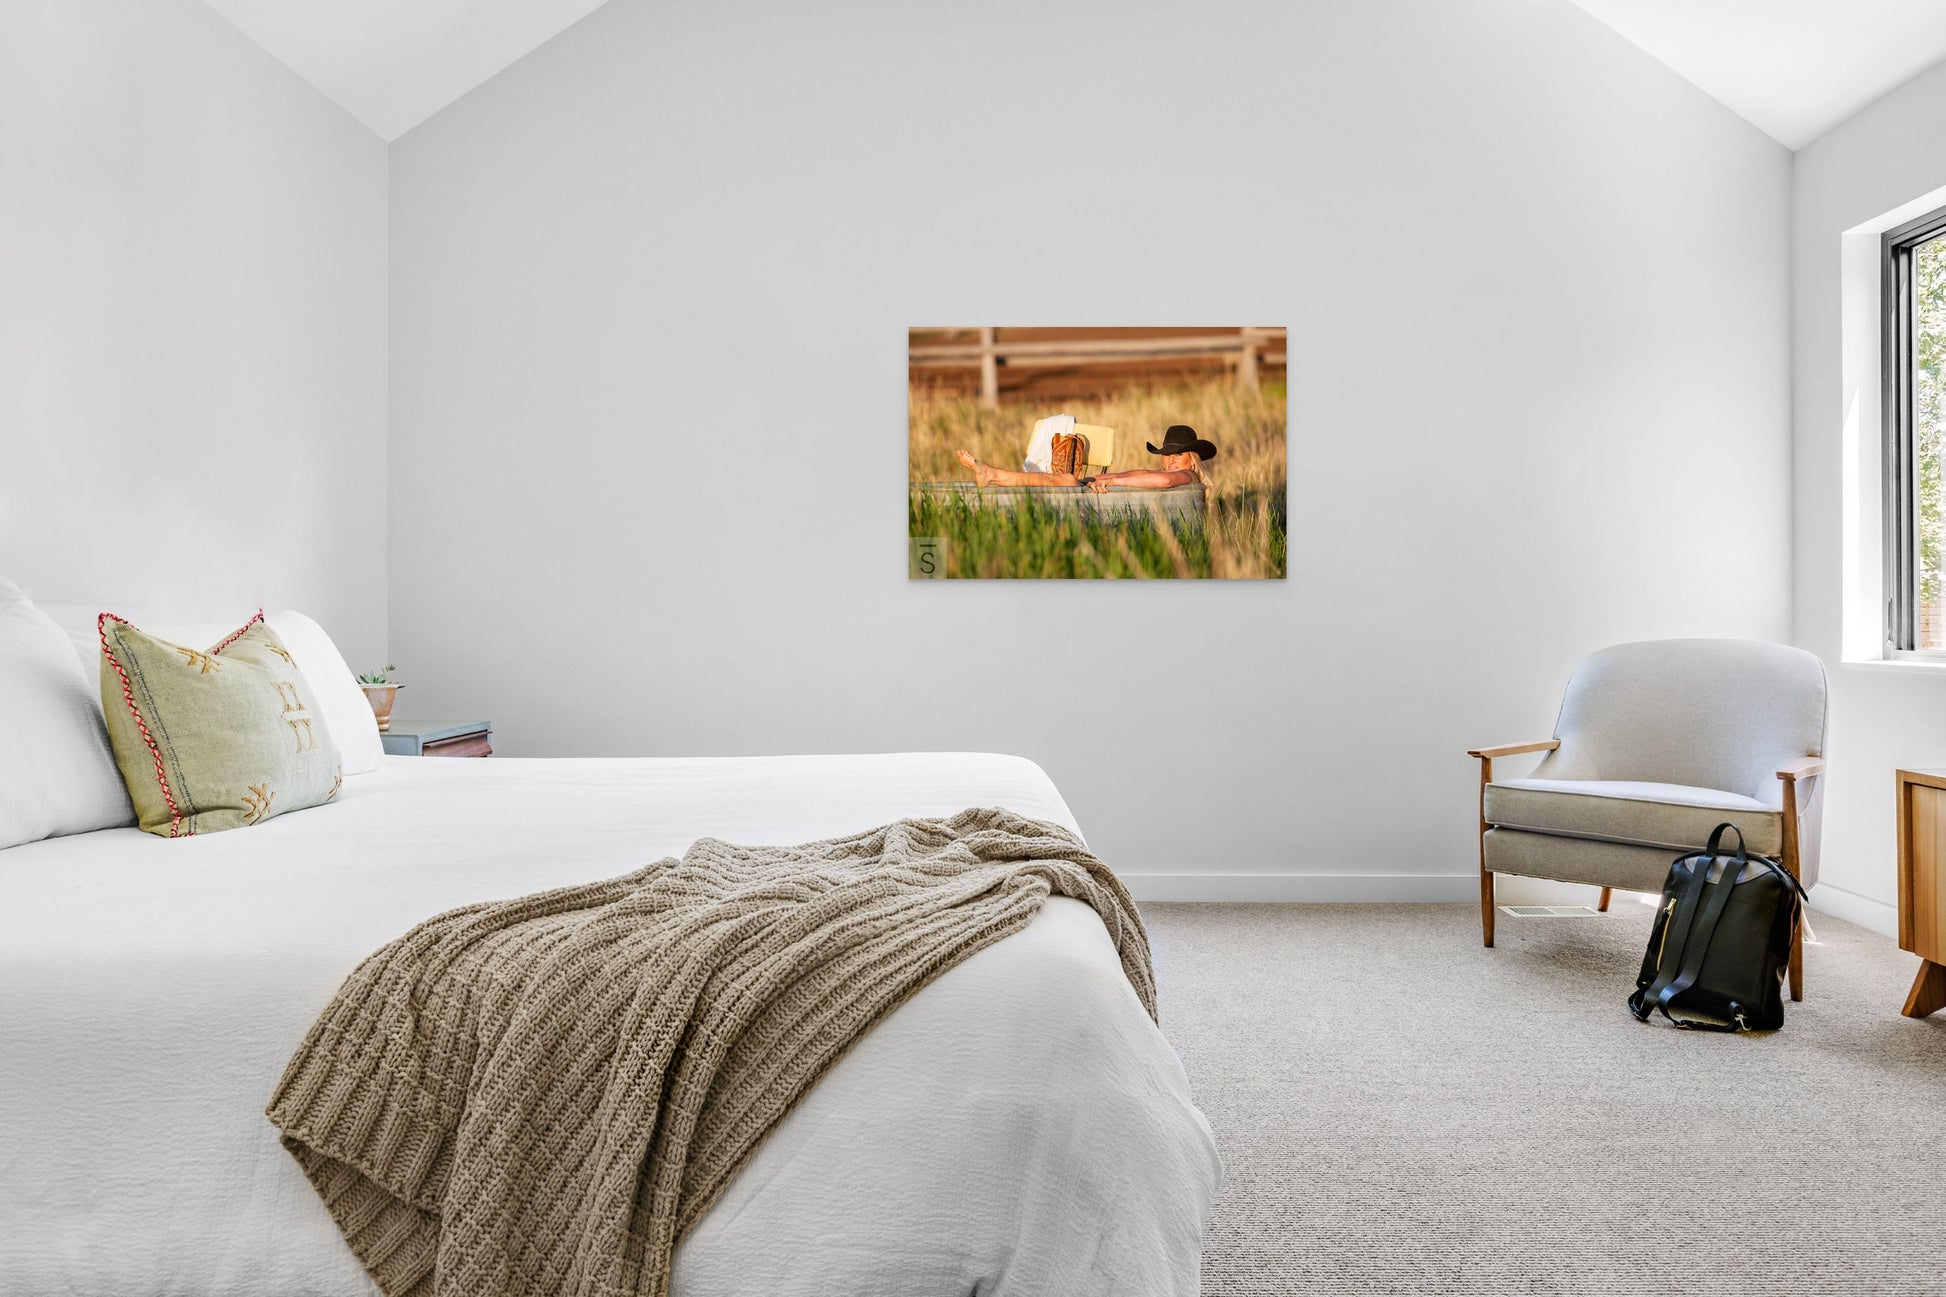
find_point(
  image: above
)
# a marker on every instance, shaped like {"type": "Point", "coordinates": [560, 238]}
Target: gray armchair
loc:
{"type": "Point", "coordinates": [1656, 744]}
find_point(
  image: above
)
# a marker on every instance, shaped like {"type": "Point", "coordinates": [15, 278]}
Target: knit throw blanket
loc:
{"type": "Point", "coordinates": [542, 1096]}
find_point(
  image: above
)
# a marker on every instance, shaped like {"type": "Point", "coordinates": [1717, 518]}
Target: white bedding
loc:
{"type": "Point", "coordinates": [1017, 1128]}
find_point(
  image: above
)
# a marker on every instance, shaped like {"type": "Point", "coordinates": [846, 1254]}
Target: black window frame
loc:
{"type": "Point", "coordinates": [1901, 536]}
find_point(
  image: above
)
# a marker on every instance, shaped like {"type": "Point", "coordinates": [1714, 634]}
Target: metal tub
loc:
{"type": "Point", "coordinates": [1175, 503]}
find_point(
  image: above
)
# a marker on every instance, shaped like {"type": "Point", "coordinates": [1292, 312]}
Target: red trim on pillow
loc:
{"type": "Point", "coordinates": [128, 696]}
{"type": "Point", "coordinates": [239, 632]}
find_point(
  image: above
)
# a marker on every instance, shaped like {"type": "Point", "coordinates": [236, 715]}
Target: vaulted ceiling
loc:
{"type": "Point", "coordinates": [1795, 68]}
{"type": "Point", "coordinates": [394, 63]}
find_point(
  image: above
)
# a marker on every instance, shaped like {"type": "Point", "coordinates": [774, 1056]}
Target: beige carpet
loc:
{"type": "Point", "coordinates": [1403, 1111]}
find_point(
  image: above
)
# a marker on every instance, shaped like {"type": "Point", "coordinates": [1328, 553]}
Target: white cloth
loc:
{"type": "Point", "coordinates": [1018, 1127]}
{"type": "Point", "coordinates": [1040, 447]}
{"type": "Point", "coordinates": [335, 694]}
{"type": "Point", "coordinates": [57, 772]}
{"type": "Point", "coordinates": [337, 700]}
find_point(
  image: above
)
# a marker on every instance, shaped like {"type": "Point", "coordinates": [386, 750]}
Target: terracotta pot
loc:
{"type": "Point", "coordinates": [381, 697]}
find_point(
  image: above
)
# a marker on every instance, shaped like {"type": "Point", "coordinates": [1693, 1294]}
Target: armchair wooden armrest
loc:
{"type": "Point", "coordinates": [1802, 768]}
{"type": "Point", "coordinates": [1486, 756]}
{"type": "Point", "coordinates": [1514, 749]}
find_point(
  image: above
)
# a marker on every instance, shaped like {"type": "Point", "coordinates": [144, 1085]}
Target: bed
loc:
{"type": "Point", "coordinates": [1018, 1127]}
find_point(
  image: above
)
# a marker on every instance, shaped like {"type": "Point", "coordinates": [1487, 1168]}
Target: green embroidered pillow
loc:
{"type": "Point", "coordinates": [212, 739]}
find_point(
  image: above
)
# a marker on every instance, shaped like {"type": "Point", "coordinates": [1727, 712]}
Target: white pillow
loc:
{"type": "Point", "coordinates": [57, 773]}
{"type": "Point", "coordinates": [337, 696]}
{"type": "Point", "coordinates": [347, 716]}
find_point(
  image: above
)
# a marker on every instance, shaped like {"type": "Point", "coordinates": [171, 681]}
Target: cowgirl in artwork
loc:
{"type": "Point", "coordinates": [1181, 450]}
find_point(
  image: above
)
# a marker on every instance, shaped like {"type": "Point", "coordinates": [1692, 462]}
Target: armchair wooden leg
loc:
{"type": "Point", "coordinates": [1797, 961]}
{"type": "Point", "coordinates": [1486, 907]}
{"type": "Point", "coordinates": [1928, 990]}
{"type": "Point", "coordinates": [1790, 861]}
{"type": "Point", "coordinates": [1486, 875]}
{"type": "Point", "coordinates": [1602, 904]}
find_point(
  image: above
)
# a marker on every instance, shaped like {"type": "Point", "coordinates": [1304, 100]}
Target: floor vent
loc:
{"type": "Point", "coordinates": [1550, 911]}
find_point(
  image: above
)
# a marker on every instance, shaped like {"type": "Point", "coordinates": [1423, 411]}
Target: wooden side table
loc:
{"type": "Point", "coordinates": [1922, 885]}
{"type": "Point", "coordinates": [439, 739]}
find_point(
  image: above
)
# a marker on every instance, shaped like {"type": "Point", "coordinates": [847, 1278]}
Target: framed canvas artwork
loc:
{"type": "Point", "coordinates": [1037, 453]}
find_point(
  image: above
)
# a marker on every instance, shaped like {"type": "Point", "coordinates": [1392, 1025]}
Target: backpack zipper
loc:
{"type": "Point", "coordinates": [1668, 914]}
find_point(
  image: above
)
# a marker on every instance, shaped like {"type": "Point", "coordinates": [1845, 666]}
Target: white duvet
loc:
{"type": "Point", "coordinates": [1019, 1127]}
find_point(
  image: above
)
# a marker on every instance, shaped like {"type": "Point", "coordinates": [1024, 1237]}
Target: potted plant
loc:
{"type": "Point", "coordinates": [381, 692]}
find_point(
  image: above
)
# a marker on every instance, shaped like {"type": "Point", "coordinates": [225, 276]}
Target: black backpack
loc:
{"type": "Point", "coordinates": [1721, 945]}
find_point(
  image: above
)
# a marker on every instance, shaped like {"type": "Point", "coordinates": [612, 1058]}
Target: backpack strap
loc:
{"type": "Point", "coordinates": [1716, 841]}
{"type": "Point", "coordinates": [1787, 876]}
{"type": "Point", "coordinates": [1690, 961]}
{"type": "Point", "coordinates": [1675, 936]}
{"type": "Point", "coordinates": [1682, 962]}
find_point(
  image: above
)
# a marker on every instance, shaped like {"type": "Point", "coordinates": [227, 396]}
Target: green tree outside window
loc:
{"type": "Point", "coordinates": [1929, 419]}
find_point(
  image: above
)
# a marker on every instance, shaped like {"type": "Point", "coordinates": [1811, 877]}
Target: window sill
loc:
{"type": "Point", "coordinates": [1901, 666]}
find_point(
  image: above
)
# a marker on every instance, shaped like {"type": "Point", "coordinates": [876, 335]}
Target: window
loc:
{"type": "Point", "coordinates": [1915, 436]}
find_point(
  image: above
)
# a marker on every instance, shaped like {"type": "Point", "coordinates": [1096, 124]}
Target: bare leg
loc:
{"type": "Point", "coordinates": [988, 475]}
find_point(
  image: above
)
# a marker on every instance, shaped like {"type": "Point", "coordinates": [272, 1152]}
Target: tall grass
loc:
{"type": "Point", "coordinates": [1245, 531]}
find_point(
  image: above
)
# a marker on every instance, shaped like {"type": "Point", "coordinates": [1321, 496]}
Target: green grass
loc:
{"type": "Point", "coordinates": [1034, 541]}
{"type": "Point", "coordinates": [1246, 483]}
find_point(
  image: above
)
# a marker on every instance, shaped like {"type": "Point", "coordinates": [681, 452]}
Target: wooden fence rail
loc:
{"type": "Point", "coordinates": [1250, 347]}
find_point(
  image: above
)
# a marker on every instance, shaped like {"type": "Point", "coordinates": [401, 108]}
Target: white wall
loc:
{"type": "Point", "coordinates": [1882, 717]}
{"type": "Point", "coordinates": [650, 290]}
{"type": "Point", "coordinates": [192, 322]}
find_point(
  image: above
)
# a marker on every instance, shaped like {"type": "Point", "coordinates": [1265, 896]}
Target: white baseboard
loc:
{"type": "Point", "coordinates": [1874, 915]}
{"type": "Point", "coordinates": [1303, 887]}
{"type": "Point", "coordinates": [1352, 888]}
{"type": "Point", "coordinates": [1853, 908]}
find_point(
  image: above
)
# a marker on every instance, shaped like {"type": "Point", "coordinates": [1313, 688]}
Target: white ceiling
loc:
{"type": "Point", "coordinates": [394, 63]}
{"type": "Point", "coordinates": [1793, 68]}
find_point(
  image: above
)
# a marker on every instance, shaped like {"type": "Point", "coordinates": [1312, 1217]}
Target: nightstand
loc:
{"type": "Point", "coordinates": [1922, 870]}
{"type": "Point", "coordinates": [408, 738]}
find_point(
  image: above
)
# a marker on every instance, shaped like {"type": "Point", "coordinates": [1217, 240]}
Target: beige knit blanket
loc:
{"type": "Point", "coordinates": [542, 1096]}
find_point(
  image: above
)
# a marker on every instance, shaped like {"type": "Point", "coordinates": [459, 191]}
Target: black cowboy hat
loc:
{"type": "Point", "coordinates": [1180, 440]}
